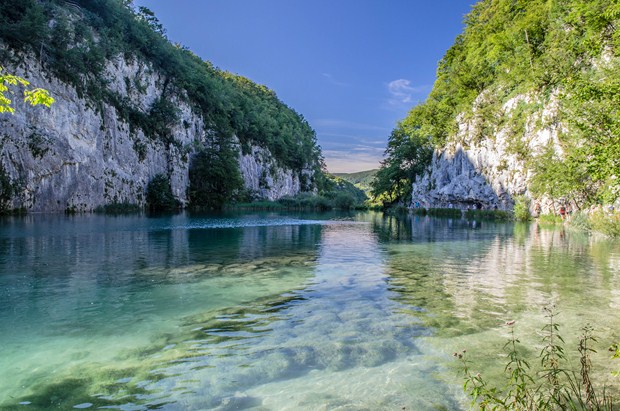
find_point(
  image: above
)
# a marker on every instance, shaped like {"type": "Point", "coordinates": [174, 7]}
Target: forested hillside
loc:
{"type": "Point", "coordinates": [78, 41]}
{"type": "Point", "coordinates": [521, 67]}
{"type": "Point", "coordinates": [360, 179]}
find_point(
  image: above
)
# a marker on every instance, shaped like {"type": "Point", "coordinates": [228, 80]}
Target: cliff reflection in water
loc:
{"type": "Point", "coordinates": [460, 278]}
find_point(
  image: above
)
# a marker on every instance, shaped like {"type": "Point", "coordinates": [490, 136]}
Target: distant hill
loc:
{"type": "Point", "coordinates": [361, 179]}
{"type": "Point", "coordinates": [338, 185]}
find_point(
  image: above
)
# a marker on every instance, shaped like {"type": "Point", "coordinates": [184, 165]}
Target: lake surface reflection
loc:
{"type": "Point", "coordinates": [280, 311]}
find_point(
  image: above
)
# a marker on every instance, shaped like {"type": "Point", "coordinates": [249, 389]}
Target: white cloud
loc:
{"type": "Point", "coordinates": [333, 80]}
{"type": "Point", "coordinates": [402, 91]}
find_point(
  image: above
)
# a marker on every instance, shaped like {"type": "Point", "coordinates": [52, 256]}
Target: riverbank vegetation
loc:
{"type": "Point", "coordinates": [546, 53]}
{"type": "Point", "coordinates": [598, 220]}
{"type": "Point", "coordinates": [471, 214]}
{"type": "Point", "coordinates": [336, 194]}
{"type": "Point", "coordinates": [606, 222]}
{"type": "Point", "coordinates": [113, 209]}
{"type": "Point", "coordinates": [496, 215]}
{"type": "Point", "coordinates": [544, 383]}
{"type": "Point", "coordinates": [215, 183]}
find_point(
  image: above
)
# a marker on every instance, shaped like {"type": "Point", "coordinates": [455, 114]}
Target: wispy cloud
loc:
{"type": "Point", "coordinates": [334, 81]}
{"type": "Point", "coordinates": [345, 125]}
{"type": "Point", "coordinates": [350, 146]}
{"type": "Point", "coordinates": [402, 91]}
{"type": "Point", "coordinates": [359, 159]}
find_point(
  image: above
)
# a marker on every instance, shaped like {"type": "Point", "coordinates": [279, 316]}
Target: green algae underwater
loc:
{"type": "Point", "coordinates": [276, 311]}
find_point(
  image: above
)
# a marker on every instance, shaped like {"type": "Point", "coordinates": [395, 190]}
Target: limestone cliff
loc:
{"type": "Point", "coordinates": [476, 171]}
{"type": "Point", "coordinates": [78, 155]}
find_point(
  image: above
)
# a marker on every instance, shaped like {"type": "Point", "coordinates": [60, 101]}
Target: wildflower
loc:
{"type": "Point", "coordinates": [510, 322]}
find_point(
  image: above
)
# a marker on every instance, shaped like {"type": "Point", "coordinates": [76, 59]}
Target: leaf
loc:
{"type": "Point", "coordinates": [34, 97]}
{"type": "Point", "coordinates": [38, 96]}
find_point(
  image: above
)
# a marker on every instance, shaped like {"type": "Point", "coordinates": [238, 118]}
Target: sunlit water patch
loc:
{"type": "Point", "coordinates": [276, 311]}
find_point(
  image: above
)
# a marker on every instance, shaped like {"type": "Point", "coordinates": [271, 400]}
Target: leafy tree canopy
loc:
{"type": "Point", "coordinates": [159, 195]}
{"type": "Point", "coordinates": [214, 177]}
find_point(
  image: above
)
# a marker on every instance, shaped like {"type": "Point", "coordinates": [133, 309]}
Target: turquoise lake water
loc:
{"type": "Point", "coordinates": [271, 311]}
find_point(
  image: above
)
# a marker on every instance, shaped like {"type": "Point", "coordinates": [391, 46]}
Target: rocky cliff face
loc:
{"type": "Point", "coordinates": [78, 155]}
{"type": "Point", "coordinates": [475, 170]}
{"type": "Point", "coordinates": [265, 179]}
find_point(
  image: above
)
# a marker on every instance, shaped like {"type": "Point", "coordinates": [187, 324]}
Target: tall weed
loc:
{"type": "Point", "coordinates": [550, 386]}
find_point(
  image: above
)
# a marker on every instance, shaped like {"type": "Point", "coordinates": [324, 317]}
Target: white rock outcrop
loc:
{"type": "Point", "coordinates": [474, 171]}
{"type": "Point", "coordinates": [266, 179]}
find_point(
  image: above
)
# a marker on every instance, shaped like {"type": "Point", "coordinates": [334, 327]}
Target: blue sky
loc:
{"type": "Point", "coordinates": [352, 68]}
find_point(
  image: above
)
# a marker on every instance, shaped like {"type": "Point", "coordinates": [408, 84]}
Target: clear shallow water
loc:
{"type": "Point", "coordinates": [277, 311]}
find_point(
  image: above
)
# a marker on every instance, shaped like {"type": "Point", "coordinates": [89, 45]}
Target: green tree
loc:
{"type": "Point", "coordinates": [214, 176]}
{"type": "Point", "coordinates": [559, 176]}
{"type": "Point", "coordinates": [149, 17]}
{"type": "Point", "coordinates": [7, 191]}
{"type": "Point", "coordinates": [408, 154]}
{"type": "Point", "coordinates": [159, 195]}
{"type": "Point", "coordinates": [33, 96]}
